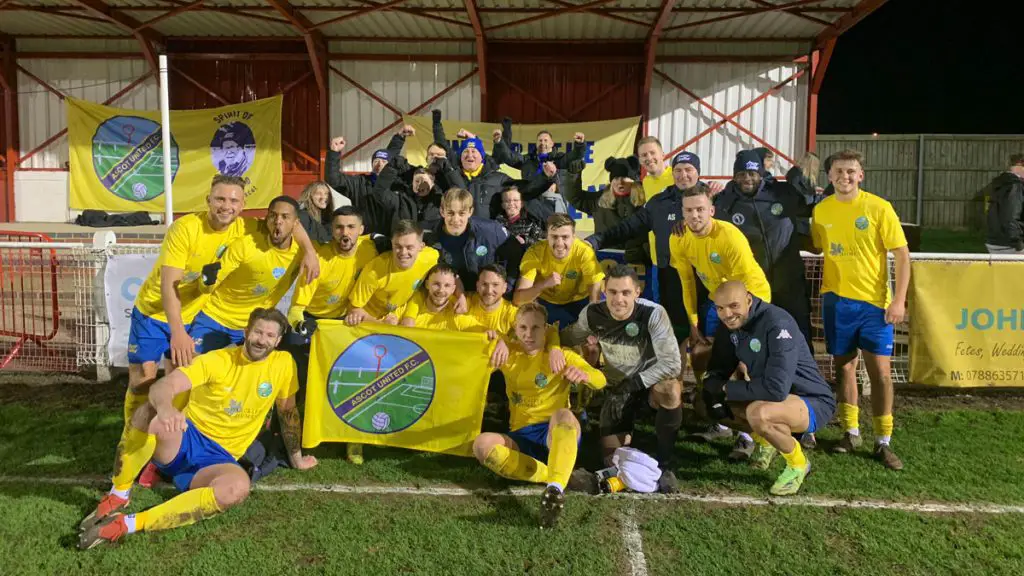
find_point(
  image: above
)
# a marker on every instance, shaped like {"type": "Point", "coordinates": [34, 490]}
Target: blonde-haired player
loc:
{"type": "Point", "coordinates": [544, 438]}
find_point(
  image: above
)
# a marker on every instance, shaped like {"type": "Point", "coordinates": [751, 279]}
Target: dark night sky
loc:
{"type": "Point", "coordinates": [935, 67]}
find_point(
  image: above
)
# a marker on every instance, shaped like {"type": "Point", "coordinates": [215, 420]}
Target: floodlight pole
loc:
{"type": "Point", "coordinates": [165, 126]}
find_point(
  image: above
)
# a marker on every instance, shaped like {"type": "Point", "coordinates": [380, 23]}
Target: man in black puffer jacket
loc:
{"type": "Point", "coordinates": [472, 172]}
{"type": "Point", "coordinates": [1005, 229]}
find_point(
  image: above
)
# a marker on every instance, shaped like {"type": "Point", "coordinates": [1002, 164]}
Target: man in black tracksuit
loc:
{"type": "Point", "coordinates": [661, 215]}
{"type": "Point", "coordinates": [775, 218]}
{"type": "Point", "coordinates": [1005, 229]}
{"type": "Point", "coordinates": [782, 393]}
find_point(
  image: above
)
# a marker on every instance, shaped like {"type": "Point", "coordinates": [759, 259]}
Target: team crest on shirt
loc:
{"type": "Point", "coordinates": [739, 219]}
{"type": "Point", "coordinates": [233, 408]}
{"type": "Point", "coordinates": [278, 272]}
{"type": "Point", "coordinates": [221, 249]}
{"type": "Point", "coordinates": [703, 277]}
{"type": "Point", "coordinates": [835, 249]}
{"type": "Point", "coordinates": [541, 380]}
{"type": "Point", "coordinates": [632, 329]}
{"type": "Point", "coordinates": [133, 348]}
{"type": "Point", "coordinates": [190, 277]}
{"type": "Point", "coordinates": [333, 299]}
{"type": "Point", "coordinates": [572, 274]}
{"type": "Point", "coordinates": [417, 283]}
{"type": "Point", "coordinates": [715, 257]}
{"type": "Point", "coordinates": [259, 290]}
{"type": "Point", "coordinates": [264, 390]}
{"type": "Point", "coordinates": [861, 223]}
{"type": "Point", "coordinates": [734, 339]}
{"type": "Point", "coordinates": [516, 398]}
{"type": "Point", "coordinates": [392, 307]}
{"type": "Point", "coordinates": [755, 345]}
{"type": "Point", "coordinates": [777, 209]}
{"type": "Point", "coordinates": [481, 251]}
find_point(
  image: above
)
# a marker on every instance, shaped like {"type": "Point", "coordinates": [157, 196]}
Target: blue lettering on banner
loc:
{"type": "Point", "coordinates": [986, 319]}
{"type": "Point", "coordinates": [130, 288]}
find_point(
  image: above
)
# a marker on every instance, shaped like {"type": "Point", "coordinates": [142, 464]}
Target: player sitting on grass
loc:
{"type": "Point", "coordinates": [232, 390]}
{"type": "Point", "coordinates": [542, 444]}
{"type": "Point", "coordinates": [561, 273]}
{"type": "Point", "coordinates": [782, 394]}
{"type": "Point", "coordinates": [387, 284]}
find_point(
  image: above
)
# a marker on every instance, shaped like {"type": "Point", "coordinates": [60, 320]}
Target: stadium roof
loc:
{"type": "Point", "coordinates": [801, 24]}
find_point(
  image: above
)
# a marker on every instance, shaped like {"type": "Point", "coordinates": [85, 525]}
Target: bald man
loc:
{"type": "Point", "coordinates": [782, 394]}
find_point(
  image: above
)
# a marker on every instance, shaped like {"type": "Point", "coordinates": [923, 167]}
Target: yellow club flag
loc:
{"type": "Point", "coordinates": [396, 386]}
{"type": "Point", "coordinates": [608, 138]}
{"type": "Point", "coordinates": [117, 158]}
{"type": "Point", "coordinates": [967, 324]}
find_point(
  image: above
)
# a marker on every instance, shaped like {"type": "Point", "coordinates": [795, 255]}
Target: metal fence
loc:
{"type": "Point", "coordinates": [933, 180]}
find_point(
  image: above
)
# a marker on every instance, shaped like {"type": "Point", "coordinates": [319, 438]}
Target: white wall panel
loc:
{"type": "Point", "coordinates": [41, 114]}
{"type": "Point", "coordinates": [404, 85]}
{"type": "Point", "coordinates": [780, 119]}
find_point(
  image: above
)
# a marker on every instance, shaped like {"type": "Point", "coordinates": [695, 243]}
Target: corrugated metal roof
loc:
{"type": "Point", "coordinates": [404, 48]}
{"type": "Point", "coordinates": [395, 24]}
{"type": "Point", "coordinates": [733, 48]}
{"type": "Point", "coordinates": [21, 22]}
{"type": "Point", "coordinates": [566, 26]}
{"type": "Point", "coordinates": [205, 23]}
{"type": "Point", "coordinates": [77, 45]}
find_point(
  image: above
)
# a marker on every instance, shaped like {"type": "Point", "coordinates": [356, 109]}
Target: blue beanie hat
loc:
{"type": "Point", "coordinates": [381, 154]}
{"type": "Point", "coordinates": [687, 158]}
{"type": "Point", "coordinates": [475, 143]}
{"type": "Point", "coordinates": [748, 160]}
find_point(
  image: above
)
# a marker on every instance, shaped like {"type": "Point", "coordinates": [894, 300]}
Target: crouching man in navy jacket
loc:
{"type": "Point", "coordinates": [782, 393]}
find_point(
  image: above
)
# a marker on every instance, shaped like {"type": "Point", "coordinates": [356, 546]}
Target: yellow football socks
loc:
{"type": "Point", "coordinates": [849, 416]}
{"type": "Point", "coordinates": [760, 441]}
{"type": "Point", "coordinates": [883, 428]}
{"type": "Point", "coordinates": [796, 458]}
{"type": "Point", "coordinates": [133, 452]}
{"type": "Point", "coordinates": [132, 401]}
{"type": "Point", "coordinates": [515, 465]}
{"type": "Point", "coordinates": [562, 456]}
{"type": "Point", "coordinates": [182, 510]}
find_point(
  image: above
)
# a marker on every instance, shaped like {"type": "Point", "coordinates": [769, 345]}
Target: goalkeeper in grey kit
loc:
{"type": "Point", "coordinates": [641, 362]}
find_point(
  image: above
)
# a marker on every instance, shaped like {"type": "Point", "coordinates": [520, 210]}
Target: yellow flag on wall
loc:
{"type": "Point", "coordinates": [967, 324]}
{"type": "Point", "coordinates": [396, 386]}
{"type": "Point", "coordinates": [117, 155]}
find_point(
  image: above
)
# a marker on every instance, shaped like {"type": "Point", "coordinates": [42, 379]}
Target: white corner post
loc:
{"type": "Point", "coordinates": [165, 125]}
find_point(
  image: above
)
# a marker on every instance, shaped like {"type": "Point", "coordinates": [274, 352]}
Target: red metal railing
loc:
{"type": "Point", "coordinates": [28, 293]}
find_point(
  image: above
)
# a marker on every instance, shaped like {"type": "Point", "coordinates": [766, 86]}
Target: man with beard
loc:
{"type": "Point", "coordinates": [354, 187]}
{"type": "Point", "coordinates": [256, 271]}
{"type": "Point", "coordinates": [641, 363]}
{"type": "Point", "coordinates": [483, 180]}
{"type": "Point", "coordinates": [782, 394]}
{"type": "Point", "coordinates": [232, 390]}
{"type": "Point", "coordinates": [774, 218]}
{"type": "Point", "coordinates": [433, 306]}
{"type": "Point", "coordinates": [561, 272]}
{"type": "Point", "coordinates": [389, 281]}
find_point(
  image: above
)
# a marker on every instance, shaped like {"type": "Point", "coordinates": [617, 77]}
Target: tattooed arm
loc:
{"type": "Point", "coordinates": [291, 432]}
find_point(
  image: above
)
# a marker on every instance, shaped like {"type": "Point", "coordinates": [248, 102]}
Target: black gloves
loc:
{"type": "Point", "coordinates": [616, 398]}
{"type": "Point", "coordinates": [577, 166]}
{"type": "Point", "coordinates": [714, 401]}
{"type": "Point", "coordinates": [1018, 245]}
{"type": "Point", "coordinates": [436, 114]}
{"type": "Point", "coordinates": [306, 327]}
{"type": "Point", "coordinates": [210, 272]}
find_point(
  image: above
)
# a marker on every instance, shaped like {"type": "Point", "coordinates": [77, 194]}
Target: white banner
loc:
{"type": "Point", "coordinates": [124, 276]}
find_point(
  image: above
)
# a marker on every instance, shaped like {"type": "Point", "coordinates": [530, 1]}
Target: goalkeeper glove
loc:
{"type": "Point", "coordinates": [210, 272]}
{"type": "Point", "coordinates": [714, 401]}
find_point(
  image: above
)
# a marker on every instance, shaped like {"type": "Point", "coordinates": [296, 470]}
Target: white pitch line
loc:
{"type": "Point", "coordinates": [634, 544]}
{"type": "Point", "coordinates": [720, 499]}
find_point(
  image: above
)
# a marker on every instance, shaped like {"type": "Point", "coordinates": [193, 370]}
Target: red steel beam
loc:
{"type": "Point", "coordinates": [415, 110]}
{"type": "Point", "coordinates": [316, 47]}
{"type": "Point", "coordinates": [183, 8]}
{"type": "Point", "coordinates": [359, 13]}
{"type": "Point", "coordinates": [9, 78]}
{"type": "Point", "coordinates": [253, 56]}
{"type": "Point", "coordinates": [552, 13]}
{"type": "Point", "coordinates": [46, 143]}
{"type": "Point", "coordinates": [818, 71]}
{"type": "Point", "coordinates": [604, 93]}
{"type": "Point", "coordinates": [728, 119]}
{"type": "Point", "coordinates": [530, 96]}
{"type": "Point", "coordinates": [819, 60]}
{"type": "Point", "coordinates": [347, 57]}
{"type": "Point", "coordinates": [373, 95]}
{"type": "Point", "coordinates": [733, 14]}
{"type": "Point", "coordinates": [651, 49]}
{"type": "Point", "coordinates": [42, 82]}
{"type": "Point", "coordinates": [848, 20]}
{"type": "Point", "coordinates": [423, 13]}
{"type": "Point", "coordinates": [481, 55]}
{"type": "Point", "coordinates": [146, 38]}
{"type": "Point", "coordinates": [510, 10]}
{"type": "Point", "coordinates": [796, 13]}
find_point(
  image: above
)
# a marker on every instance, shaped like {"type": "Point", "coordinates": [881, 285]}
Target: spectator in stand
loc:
{"type": "Point", "coordinates": [767, 163]}
{"type": "Point", "coordinates": [1005, 230]}
{"type": "Point", "coordinates": [478, 174]}
{"type": "Point", "coordinates": [804, 177]}
{"type": "Point", "coordinates": [617, 201]}
{"type": "Point", "coordinates": [521, 225]}
{"type": "Point", "coordinates": [316, 208]}
{"type": "Point", "coordinates": [437, 151]}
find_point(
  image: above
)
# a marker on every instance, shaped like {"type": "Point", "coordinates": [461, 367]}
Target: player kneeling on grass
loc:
{"type": "Point", "coordinates": [232, 390]}
{"type": "Point", "coordinates": [545, 435]}
{"type": "Point", "coordinates": [783, 394]}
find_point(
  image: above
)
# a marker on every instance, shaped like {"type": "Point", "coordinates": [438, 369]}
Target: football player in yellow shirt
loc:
{"type": "Point", "coordinates": [561, 272]}
{"type": "Point", "coordinates": [433, 305]}
{"type": "Point", "coordinates": [544, 438]}
{"type": "Point", "coordinates": [255, 272]}
{"type": "Point", "coordinates": [387, 284]}
{"type": "Point", "coordinates": [232, 390]}
{"type": "Point", "coordinates": [856, 231]}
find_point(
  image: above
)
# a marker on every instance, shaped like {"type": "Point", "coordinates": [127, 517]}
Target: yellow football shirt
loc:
{"type": "Point", "coordinates": [855, 238]}
{"type": "Point", "coordinates": [502, 319]}
{"type": "Point", "coordinates": [579, 271]}
{"type": "Point", "coordinates": [383, 289]}
{"type": "Point", "coordinates": [654, 185]}
{"type": "Point", "coordinates": [231, 395]}
{"type": "Point", "coordinates": [189, 244]}
{"type": "Point", "coordinates": [723, 255]}
{"type": "Point", "coordinates": [534, 393]}
{"type": "Point", "coordinates": [446, 319]}
{"type": "Point", "coordinates": [327, 295]}
{"type": "Point", "coordinates": [254, 274]}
